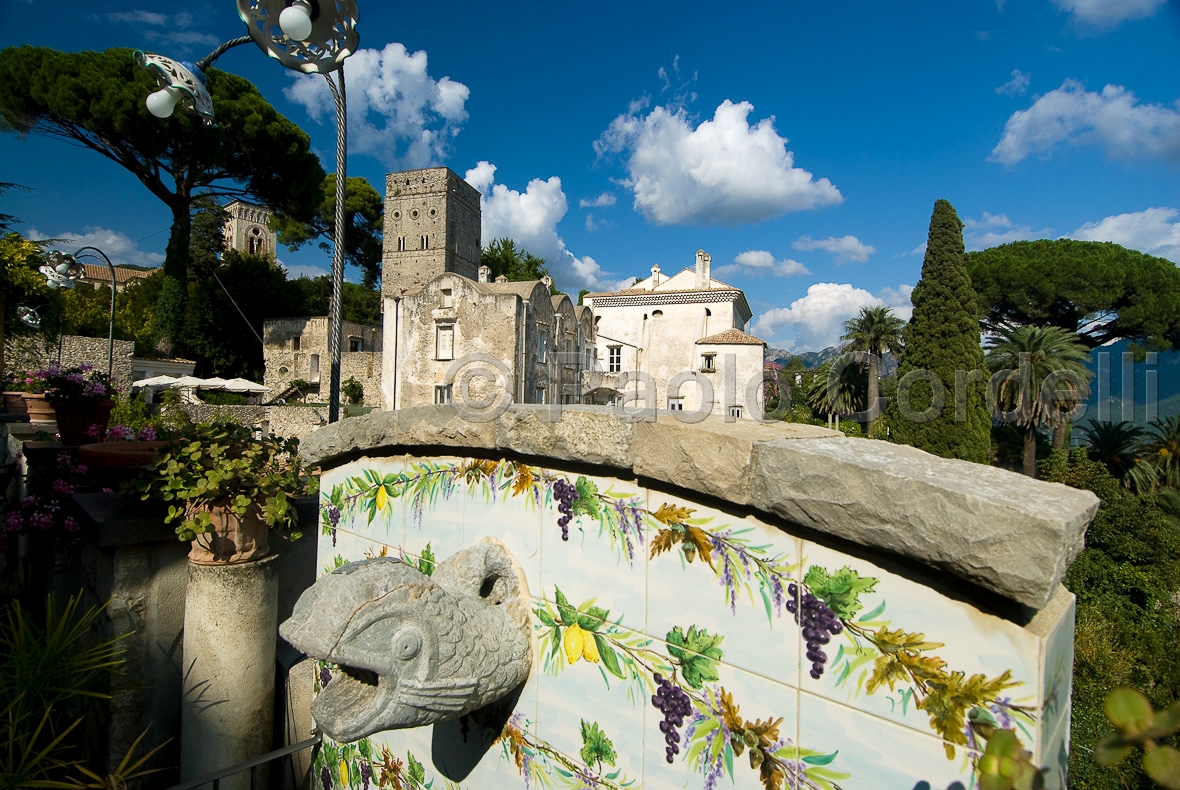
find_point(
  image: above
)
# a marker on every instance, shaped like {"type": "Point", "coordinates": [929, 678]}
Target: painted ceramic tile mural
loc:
{"type": "Point", "coordinates": [678, 646]}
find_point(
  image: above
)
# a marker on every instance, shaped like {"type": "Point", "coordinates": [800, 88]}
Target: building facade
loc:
{"type": "Point", "coordinates": [679, 343]}
{"type": "Point", "coordinates": [247, 228]}
{"type": "Point", "coordinates": [297, 348]}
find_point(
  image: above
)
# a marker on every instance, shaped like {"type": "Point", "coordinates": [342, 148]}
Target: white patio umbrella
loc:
{"type": "Point", "coordinates": [213, 384]}
{"type": "Point", "coordinates": [154, 381]}
{"type": "Point", "coordinates": [188, 382]}
{"type": "Point", "coordinates": [245, 385]}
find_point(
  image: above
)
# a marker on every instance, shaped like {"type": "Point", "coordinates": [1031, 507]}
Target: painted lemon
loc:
{"type": "Point", "coordinates": [574, 641]}
{"type": "Point", "coordinates": [382, 497]}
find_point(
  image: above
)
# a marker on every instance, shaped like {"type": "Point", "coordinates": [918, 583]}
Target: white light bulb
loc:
{"type": "Point", "coordinates": [295, 21]}
{"type": "Point", "coordinates": [163, 102]}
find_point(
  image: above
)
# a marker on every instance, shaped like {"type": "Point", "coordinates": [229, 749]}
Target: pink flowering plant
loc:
{"type": "Point", "coordinates": [42, 511]}
{"type": "Point", "coordinates": [123, 433]}
{"type": "Point", "coordinates": [78, 383]}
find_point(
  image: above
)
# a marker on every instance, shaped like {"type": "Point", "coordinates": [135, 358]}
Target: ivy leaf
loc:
{"type": "Point", "coordinates": [670, 514]}
{"type": "Point", "coordinates": [841, 590]}
{"type": "Point", "coordinates": [596, 747]}
{"type": "Point", "coordinates": [415, 772]}
{"type": "Point", "coordinates": [586, 503]}
{"type": "Point", "coordinates": [697, 652]}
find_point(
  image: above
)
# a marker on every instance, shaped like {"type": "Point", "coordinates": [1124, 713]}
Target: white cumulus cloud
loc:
{"type": "Point", "coordinates": [991, 230]}
{"type": "Point", "coordinates": [605, 199]}
{"type": "Point", "coordinates": [1107, 13]}
{"type": "Point", "coordinates": [397, 112]}
{"type": "Point", "coordinates": [723, 171]}
{"type": "Point", "coordinates": [1155, 231]}
{"type": "Point", "coordinates": [175, 30]}
{"type": "Point", "coordinates": [1016, 86]}
{"type": "Point", "coordinates": [117, 246]}
{"type": "Point", "coordinates": [761, 262]}
{"type": "Point", "coordinates": [816, 321]}
{"type": "Point", "coordinates": [844, 249]}
{"type": "Point", "coordinates": [1112, 118]}
{"type": "Point", "coordinates": [530, 219]}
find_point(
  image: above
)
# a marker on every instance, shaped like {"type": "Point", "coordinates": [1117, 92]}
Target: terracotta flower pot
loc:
{"type": "Point", "coordinates": [119, 455]}
{"type": "Point", "coordinates": [38, 408]}
{"type": "Point", "coordinates": [75, 418]}
{"type": "Point", "coordinates": [14, 403]}
{"type": "Point", "coordinates": [232, 538]}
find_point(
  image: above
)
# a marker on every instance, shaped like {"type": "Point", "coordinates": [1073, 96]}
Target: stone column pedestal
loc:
{"type": "Point", "coordinates": [230, 627]}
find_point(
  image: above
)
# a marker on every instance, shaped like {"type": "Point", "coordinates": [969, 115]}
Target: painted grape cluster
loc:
{"type": "Point", "coordinates": [565, 495]}
{"type": "Point", "coordinates": [671, 701]}
{"type": "Point", "coordinates": [819, 625]}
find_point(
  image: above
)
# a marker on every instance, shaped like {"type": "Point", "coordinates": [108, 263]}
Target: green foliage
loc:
{"type": "Point", "coordinates": [943, 337]}
{"type": "Point", "coordinates": [360, 305]}
{"type": "Point", "coordinates": [1163, 450]}
{"type": "Point", "coordinates": [697, 653]}
{"type": "Point", "coordinates": [841, 590]}
{"type": "Point", "coordinates": [96, 99]}
{"type": "Point", "coordinates": [586, 501]}
{"type": "Point", "coordinates": [839, 386]}
{"type": "Point", "coordinates": [1125, 581]}
{"type": "Point", "coordinates": [1138, 725]}
{"type": "Point", "coordinates": [1006, 765]}
{"type": "Point", "coordinates": [45, 673]}
{"type": "Point", "coordinates": [353, 390]}
{"type": "Point", "coordinates": [1040, 378]}
{"type": "Point", "coordinates": [596, 747]}
{"type": "Point", "coordinates": [223, 463]}
{"type": "Point", "coordinates": [364, 209]}
{"type": "Point", "coordinates": [869, 335]}
{"type": "Point", "coordinates": [1119, 446]}
{"type": "Point", "coordinates": [503, 258]}
{"type": "Point", "coordinates": [1100, 290]}
{"type": "Point", "coordinates": [426, 561]}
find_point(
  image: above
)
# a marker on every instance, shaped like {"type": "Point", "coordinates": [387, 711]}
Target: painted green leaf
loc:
{"type": "Point", "coordinates": [698, 653]}
{"type": "Point", "coordinates": [840, 590]}
{"type": "Point", "coordinates": [873, 615]}
{"type": "Point", "coordinates": [820, 759]}
{"type": "Point", "coordinates": [586, 503]}
{"type": "Point", "coordinates": [569, 615]}
{"type": "Point", "coordinates": [593, 618]}
{"type": "Point", "coordinates": [544, 616]}
{"type": "Point", "coordinates": [414, 769]}
{"type": "Point", "coordinates": [610, 658]}
{"type": "Point", "coordinates": [426, 561]}
{"type": "Point", "coordinates": [596, 747]}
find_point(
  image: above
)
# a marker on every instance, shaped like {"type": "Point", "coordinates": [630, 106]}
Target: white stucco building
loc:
{"type": "Point", "coordinates": [680, 341]}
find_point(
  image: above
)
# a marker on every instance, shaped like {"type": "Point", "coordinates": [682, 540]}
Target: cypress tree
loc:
{"type": "Point", "coordinates": [941, 367]}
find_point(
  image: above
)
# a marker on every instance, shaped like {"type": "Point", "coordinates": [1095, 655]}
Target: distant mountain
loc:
{"type": "Point", "coordinates": [810, 359]}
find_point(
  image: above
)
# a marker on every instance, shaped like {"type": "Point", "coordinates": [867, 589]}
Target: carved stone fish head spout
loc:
{"type": "Point", "coordinates": [413, 649]}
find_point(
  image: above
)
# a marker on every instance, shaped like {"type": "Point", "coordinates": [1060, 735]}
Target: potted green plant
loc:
{"type": "Point", "coordinates": [81, 397]}
{"type": "Point", "coordinates": [225, 489]}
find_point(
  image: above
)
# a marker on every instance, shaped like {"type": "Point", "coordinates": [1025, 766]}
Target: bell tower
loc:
{"type": "Point", "coordinates": [246, 229]}
{"type": "Point", "coordinates": [432, 225]}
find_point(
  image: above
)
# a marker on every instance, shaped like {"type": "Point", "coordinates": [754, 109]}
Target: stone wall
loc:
{"type": "Point", "coordinates": [30, 352]}
{"type": "Point", "coordinates": [298, 421]}
{"type": "Point", "coordinates": [930, 588]}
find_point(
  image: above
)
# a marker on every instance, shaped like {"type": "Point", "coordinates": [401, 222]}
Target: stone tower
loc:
{"type": "Point", "coordinates": [246, 229]}
{"type": "Point", "coordinates": [431, 226]}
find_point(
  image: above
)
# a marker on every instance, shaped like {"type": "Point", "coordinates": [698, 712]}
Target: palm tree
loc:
{"type": "Point", "coordinates": [1119, 446]}
{"type": "Point", "coordinates": [869, 335]}
{"type": "Point", "coordinates": [837, 388]}
{"type": "Point", "coordinates": [1040, 377]}
{"type": "Point", "coordinates": [1163, 446]}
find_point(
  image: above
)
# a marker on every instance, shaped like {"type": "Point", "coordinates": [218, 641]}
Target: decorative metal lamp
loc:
{"type": "Point", "coordinates": [29, 317]}
{"type": "Point", "coordinates": [180, 82]}
{"type": "Point", "coordinates": [312, 36]}
{"type": "Point", "coordinates": [62, 270]}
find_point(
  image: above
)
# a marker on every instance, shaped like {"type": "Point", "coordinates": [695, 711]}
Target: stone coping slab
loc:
{"type": "Point", "coordinates": [996, 529]}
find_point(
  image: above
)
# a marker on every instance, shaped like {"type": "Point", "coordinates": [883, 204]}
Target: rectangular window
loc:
{"type": "Point", "coordinates": [708, 362]}
{"type": "Point", "coordinates": [401, 243]}
{"type": "Point", "coordinates": [295, 343]}
{"type": "Point", "coordinates": [542, 345]}
{"type": "Point", "coordinates": [444, 342]}
{"type": "Point", "coordinates": [425, 242]}
{"type": "Point", "coordinates": [448, 298]}
{"type": "Point", "coordinates": [675, 404]}
{"type": "Point", "coordinates": [614, 359]}
{"type": "Point", "coordinates": [313, 369]}
{"type": "Point", "coordinates": [735, 412]}
{"type": "Point", "coordinates": [540, 395]}
{"type": "Point", "coordinates": [355, 344]}
{"type": "Point", "coordinates": [442, 394]}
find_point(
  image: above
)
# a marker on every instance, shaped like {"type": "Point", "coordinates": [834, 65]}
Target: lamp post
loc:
{"type": "Point", "coordinates": [64, 270]}
{"type": "Point", "coordinates": [309, 36]}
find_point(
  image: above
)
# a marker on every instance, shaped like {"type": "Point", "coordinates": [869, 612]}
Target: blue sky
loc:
{"type": "Point", "coordinates": [802, 144]}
